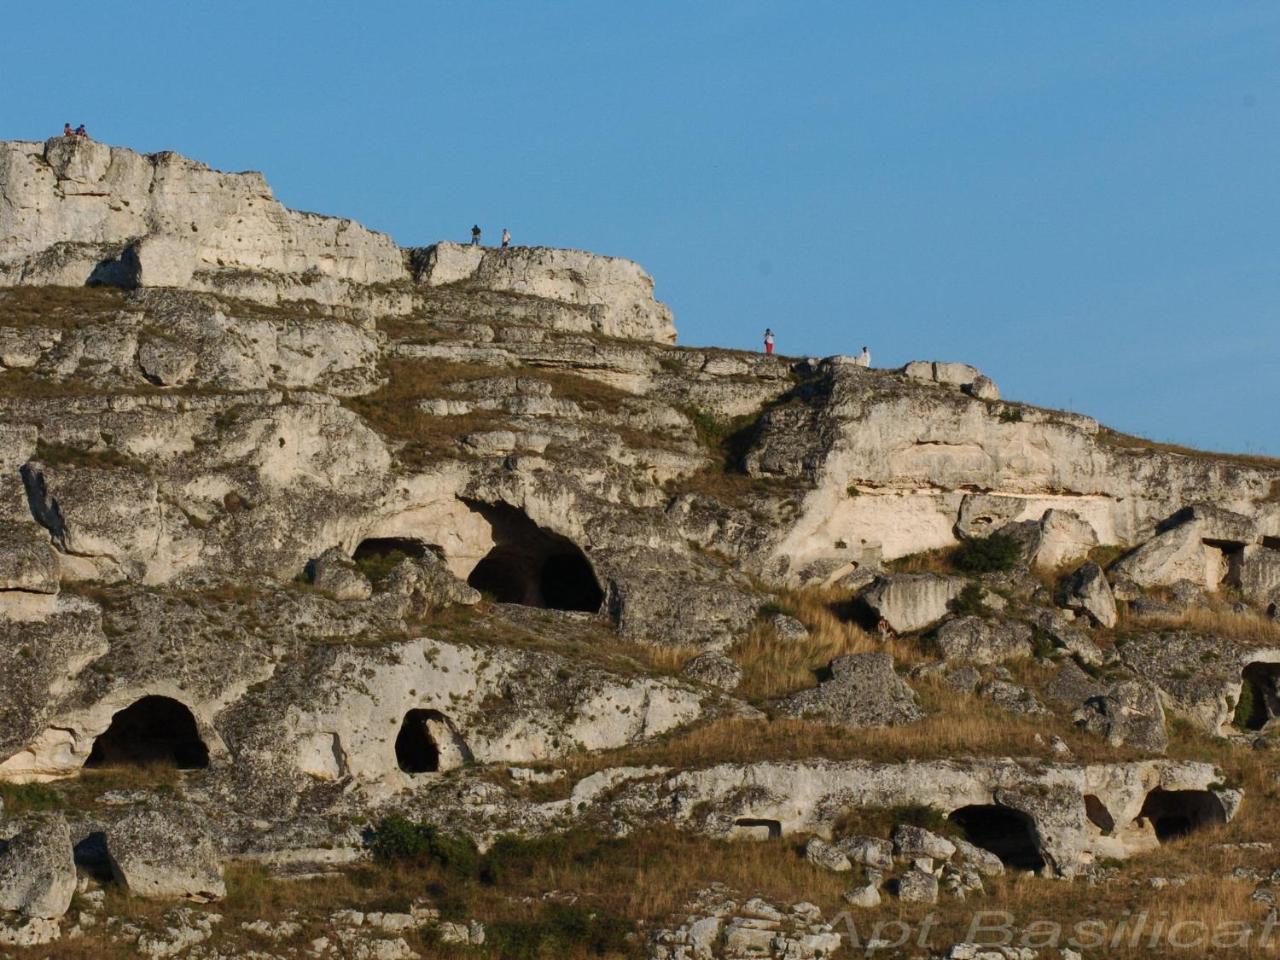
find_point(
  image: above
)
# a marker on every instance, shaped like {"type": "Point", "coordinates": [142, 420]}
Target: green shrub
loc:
{"type": "Point", "coordinates": [399, 839]}
{"type": "Point", "coordinates": [969, 602]}
{"type": "Point", "coordinates": [926, 817]}
{"type": "Point", "coordinates": [1251, 712]}
{"type": "Point", "coordinates": [562, 929]}
{"type": "Point", "coordinates": [1010, 415]}
{"type": "Point", "coordinates": [988, 555]}
{"type": "Point", "coordinates": [377, 566]}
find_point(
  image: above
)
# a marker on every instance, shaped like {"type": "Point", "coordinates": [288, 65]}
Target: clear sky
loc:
{"type": "Point", "coordinates": [1081, 198]}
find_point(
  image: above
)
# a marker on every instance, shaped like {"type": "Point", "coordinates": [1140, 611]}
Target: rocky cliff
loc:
{"type": "Point", "coordinates": [313, 546]}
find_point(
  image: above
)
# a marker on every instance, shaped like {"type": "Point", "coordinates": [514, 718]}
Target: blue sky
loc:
{"type": "Point", "coordinates": [1080, 198]}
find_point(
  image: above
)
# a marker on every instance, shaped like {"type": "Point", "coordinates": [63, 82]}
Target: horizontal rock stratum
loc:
{"type": "Point", "coordinates": [301, 533]}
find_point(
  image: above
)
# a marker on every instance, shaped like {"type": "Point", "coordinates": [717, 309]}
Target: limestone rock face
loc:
{"type": "Point", "coordinates": [165, 855]}
{"type": "Point", "coordinates": [618, 294]}
{"type": "Point", "coordinates": [27, 560]}
{"type": "Point", "coordinates": [1061, 536]}
{"type": "Point", "coordinates": [1191, 545]}
{"type": "Point", "coordinates": [911, 602]}
{"type": "Point", "coordinates": [74, 210]}
{"type": "Point", "coordinates": [37, 871]}
{"type": "Point", "coordinates": [863, 691]}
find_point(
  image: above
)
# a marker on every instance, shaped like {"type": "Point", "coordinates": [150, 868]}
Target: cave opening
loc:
{"type": "Point", "coordinates": [1009, 834]}
{"type": "Point", "coordinates": [532, 566]}
{"type": "Point", "coordinates": [152, 731]}
{"type": "Point", "coordinates": [1176, 813]}
{"type": "Point", "coordinates": [1259, 699]}
{"type": "Point", "coordinates": [417, 750]}
{"type": "Point", "coordinates": [1097, 813]}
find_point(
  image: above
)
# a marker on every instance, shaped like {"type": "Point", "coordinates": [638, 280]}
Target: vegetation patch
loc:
{"type": "Point", "coordinates": [991, 554]}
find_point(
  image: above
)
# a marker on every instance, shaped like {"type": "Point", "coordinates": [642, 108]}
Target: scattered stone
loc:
{"type": "Point", "coordinates": [822, 854]}
{"type": "Point", "coordinates": [911, 841]}
{"type": "Point", "coordinates": [912, 601]}
{"type": "Point", "coordinates": [917, 886]}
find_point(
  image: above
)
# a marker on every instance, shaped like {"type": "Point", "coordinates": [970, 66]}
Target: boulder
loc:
{"type": "Point", "coordinates": [983, 861]}
{"type": "Point", "coordinates": [1061, 628]}
{"type": "Point", "coordinates": [1087, 590]}
{"type": "Point", "coordinates": [1061, 536]}
{"type": "Point", "coordinates": [982, 641]}
{"type": "Point", "coordinates": [910, 841]}
{"type": "Point", "coordinates": [1128, 714]}
{"type": "Point", "coordinates": [426, 584]}
{"type": "Point", "coordinates": [788, 628]}
{"type": "Point", "coordinates": [164, 855]}
{"type": "Point", "coordinates": [982, 388]}
{"type": "Point", "coordinates": [873, 852]}
{"type": "Point", "coordinates": [822, 854]}
{"type": "Point", "coordinates": [916, 886]}
{"type": "Point", "coordinates": [334, 573]}
{"type": "Point", "coordinates": [1072, 686]}
{"type": "Point", "coordinates": [715, 670]}
{"type": "Point", "coordinates": [866, 896]}
{"type": "Point", "coordinates": [863, 691]}
{"type": "Point", "coordinates": [1011, 697]}
{"type": "Point", "coordinates": [37, 868]}
{"type": "Point", "coordinates": [912, 601]}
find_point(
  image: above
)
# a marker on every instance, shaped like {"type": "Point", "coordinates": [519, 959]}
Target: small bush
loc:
{"type": "Point", "coordinates": [399, 839]}
{"type": "Point", "coordinates": [1251, 712]}
{"type": "Point", "coordinates": [562, 929]}
{"type": "Point", "coordinates": [377, 566]}
{"type": "Point", "coordinates": [988, 555]}
{"type": "Point", "coordinates": [969, 602]}
{"type": "Point", "coordinates": [925, 817]}
{"type": "Point", "coordinates": [1010, 415]}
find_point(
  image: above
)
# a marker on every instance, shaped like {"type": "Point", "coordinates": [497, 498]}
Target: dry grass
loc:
{"type": "Point", "coordinates": [772, 667]}
{"type": "Point", "coordinates": [58, 307]}
{"type": "Point", "coordinates": [1216, 621]}
{"type": "Point", "coordinates": [1124, 441]}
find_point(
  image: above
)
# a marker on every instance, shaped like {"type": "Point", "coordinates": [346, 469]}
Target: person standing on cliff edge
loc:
{"type": "Point", "coordinates": [864, 358]}
{"type": "Point", "coordinates": [67, 131]}
{"type": "Point", "coordinates": [475, 235]}
{"type": "Point", "coordinates": [768, 341]}
{"type": "Point", "coordinates": [506, 238]}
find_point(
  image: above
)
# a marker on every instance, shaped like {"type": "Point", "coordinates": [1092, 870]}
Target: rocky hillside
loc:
{"type": "Point", "coordinates": [361, 601]}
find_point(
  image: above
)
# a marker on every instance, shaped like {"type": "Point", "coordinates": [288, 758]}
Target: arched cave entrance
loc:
{"type": "Point", "coordinates": [1176, 813]}
{"type": "Point", "coordinates": [533, 566]}
{"type": "Point", "coordinates": [153, 730]}
{"type": "Point", "coordinates": [1098, 814]}
{"type": "Point", "coordinates": [428, 743]}
{"type": "Point", "coordinates": [1009, 834]}
{"type": "Point", "coordinates": [1259, 695]}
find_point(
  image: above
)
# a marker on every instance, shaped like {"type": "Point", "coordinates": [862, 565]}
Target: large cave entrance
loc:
{"type": "Point", "coordinates": [428, 743]}
{"type": "Point", "coordinates": [1176, 813]}
{"type": "Point", "coordinates": [532, 566]}
{"type": "Point", "coordinates": [153, 730]}
{"type": "Point", "coordinates": [1259, 696]}
{"type": "Point", "coordinates": [1009, 834]}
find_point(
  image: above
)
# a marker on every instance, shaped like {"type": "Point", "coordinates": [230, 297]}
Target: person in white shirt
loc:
{"type": "Point", "coordinates": [506, 238]}
{"type": "Point", "coordinates": [768, 340]}
{"type": "Point", "coordinates": [864, 358]}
